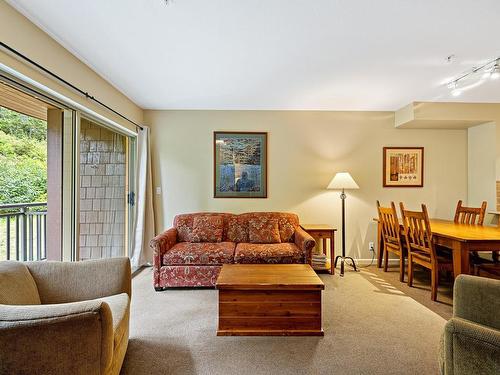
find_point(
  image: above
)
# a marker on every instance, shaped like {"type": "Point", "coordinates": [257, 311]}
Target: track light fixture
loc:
{"type": "Point", "coordinates": [490, 70]}
{"type": "Point", "coordinates": [495, 73]}
{"type": "Point", "coordinates": [455, 91]}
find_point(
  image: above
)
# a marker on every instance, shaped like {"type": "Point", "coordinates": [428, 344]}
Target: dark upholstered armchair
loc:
{"type": "Point", "coordinates": [471, 338]}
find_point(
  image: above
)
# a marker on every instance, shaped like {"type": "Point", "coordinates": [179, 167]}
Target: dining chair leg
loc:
{"type": "Point", "coordinates": [410, 271]}
{"type": "Point", "coordinates": [401, 268]}
{"type": "Point", "coordinates": [386, 259]}
{"type": "Point", "coordinates": [495, 256]}
{"type": "Point", "coordinates": [434, 283]}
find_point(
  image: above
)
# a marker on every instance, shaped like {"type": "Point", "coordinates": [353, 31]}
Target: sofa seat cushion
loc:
{"type": "Point", "coordinates": [119, 306]}
{"type": "Point", "coordinates": [268, 253]}
{"type": "Point", "coordinates": [200, 253]}
{"type": "Point", "coordinates": [17, 286]}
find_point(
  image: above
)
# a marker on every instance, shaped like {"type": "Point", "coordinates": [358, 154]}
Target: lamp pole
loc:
{"type": "Point", "coordinates": [342, 257]}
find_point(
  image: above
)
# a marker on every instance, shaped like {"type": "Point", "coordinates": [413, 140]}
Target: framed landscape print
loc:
{"type": "Point", "coordinates": [240, 165]}
{"type": "Point", "coordinates": [403, 167]}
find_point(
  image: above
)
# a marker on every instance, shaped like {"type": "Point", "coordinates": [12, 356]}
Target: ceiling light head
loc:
{"type": "Point", "coordinates": [495, 72]}
{"type": "Point", "coordinates": [455, 91]}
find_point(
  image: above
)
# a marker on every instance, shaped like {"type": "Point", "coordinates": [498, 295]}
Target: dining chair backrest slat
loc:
{"type": "Point", "coordinates": [470, 215]}
{"type": "Point", "coordinates": [418, 231]}
{"type": "Point", "coordinates": [388, 218]}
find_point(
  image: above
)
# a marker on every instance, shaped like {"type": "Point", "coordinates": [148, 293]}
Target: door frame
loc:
{"type": "Point", "coordinates": [73, 112]}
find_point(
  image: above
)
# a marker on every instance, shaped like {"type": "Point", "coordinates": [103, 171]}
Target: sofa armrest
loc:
{"type": "Point", "coordinates": [62, 282]}
{"type": "Point", "coordinates": [160, 245]}
{"type": "Point", "coordinates": [470, 348]}
{"type": "Point", "coordinates": [305, 242]}
{"type": "Point", "coordinates": [69, 338]}
{"type": "Point", "coordinates": [477, 299]}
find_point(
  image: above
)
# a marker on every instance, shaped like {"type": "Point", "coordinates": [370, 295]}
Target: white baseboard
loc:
{"type": "Point", "coordinates": [365, 262]}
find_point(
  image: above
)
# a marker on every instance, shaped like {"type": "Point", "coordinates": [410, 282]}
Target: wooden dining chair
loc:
{"type": "Point", "coordinates": [473, 215]}
{"type": "Point", "coordinates": [421, 248]}
{"type": "Point", "coordinates": [470, 215]}
{"type": "Point", "coordinates": [491, 270]}
{"type": "Point", "coordinates": [391, 236]}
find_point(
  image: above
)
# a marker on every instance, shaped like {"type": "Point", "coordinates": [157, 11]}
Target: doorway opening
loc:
{"type": "Point", "coordinates": [23, 175]}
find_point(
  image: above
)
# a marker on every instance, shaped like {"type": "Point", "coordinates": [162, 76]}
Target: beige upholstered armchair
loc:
{"type": "Point", "coordinates": [471, 338]}
{"type": "Point", "coordinates": [64, 318]}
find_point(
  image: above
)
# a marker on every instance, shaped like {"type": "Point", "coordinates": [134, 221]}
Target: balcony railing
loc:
{"type": "Point", "coordinates": [23, 231]}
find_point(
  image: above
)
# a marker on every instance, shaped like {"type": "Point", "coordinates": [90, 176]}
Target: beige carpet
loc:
{"type": "Point", "coordinates": [370, 328]}
{"type": "Point", "coordinates": [421, 289]}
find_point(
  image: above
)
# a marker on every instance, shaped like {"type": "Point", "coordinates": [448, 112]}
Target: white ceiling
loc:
{"type": "Point", "coordinates": [277, 54]}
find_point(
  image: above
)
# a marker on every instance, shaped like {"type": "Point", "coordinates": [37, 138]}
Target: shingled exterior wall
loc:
{"type": "Point", "coordinates": [102, 192]}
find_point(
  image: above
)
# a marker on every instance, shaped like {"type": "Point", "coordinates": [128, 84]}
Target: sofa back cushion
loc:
{"type": "Point", "coordinates": [263, 230]}
{"type": "Point", "coordinates": [184, 224]}
{"type": "Point", "coordinates": [17, 286]}
{"type": "Point", "coordinates": [235, 228]}
{"type": "Point", "coordinates": [287, 222]}
{"type": "Point", "coordinates": [207, 229]}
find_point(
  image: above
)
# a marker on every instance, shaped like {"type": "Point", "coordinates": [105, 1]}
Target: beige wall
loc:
{"type": "Point", "coordinates": [305, 150]}
{"type": "Point", "coordinates": [19, 33]}
{"type": "Point", "coordinates": [482, 165]}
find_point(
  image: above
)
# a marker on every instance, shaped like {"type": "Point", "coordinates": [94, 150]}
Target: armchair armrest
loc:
{"type": "Point", "coordinates": [62, 282]}
{"type": "Point", "coordinates": [470, 348]}
{"type": "Point", "coordinates": [477, 299]}
{"type": "Point", "coordinates": [305, 242]}
{"type": "Point", "coordinates": [160, 245]}
{"type": "Point", "coordinates": [69, 338]}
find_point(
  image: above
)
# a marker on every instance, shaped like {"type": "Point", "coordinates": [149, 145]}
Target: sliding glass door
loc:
{"type": "Point", "coordinates": [105, 194]}
{"type": "Point", "coordinates": [67, 179]}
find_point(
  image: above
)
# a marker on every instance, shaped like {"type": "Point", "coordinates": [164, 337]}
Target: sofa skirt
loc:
{"type": "Point", "coordinates": [187, 276]}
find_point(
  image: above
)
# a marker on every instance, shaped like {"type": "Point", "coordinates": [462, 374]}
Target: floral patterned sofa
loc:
{"type": "Point", "coordinates": [192, 253]}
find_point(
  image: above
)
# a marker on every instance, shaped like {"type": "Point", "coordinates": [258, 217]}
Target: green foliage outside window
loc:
{"type": "Point", "coordinates": [23, 158]}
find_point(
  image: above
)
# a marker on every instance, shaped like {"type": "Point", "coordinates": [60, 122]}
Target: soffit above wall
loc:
{"type": "Point", "coordinates": [430, 115]}
{"type": "Point", "coordinates": [21, 102]}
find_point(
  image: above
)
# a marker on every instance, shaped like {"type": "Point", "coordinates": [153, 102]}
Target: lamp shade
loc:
{"type": "Point", "coordinates": [342, 180]}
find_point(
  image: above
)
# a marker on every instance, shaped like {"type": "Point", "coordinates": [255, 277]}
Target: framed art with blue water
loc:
{"type": "Point", "coordinates": [240, 165]}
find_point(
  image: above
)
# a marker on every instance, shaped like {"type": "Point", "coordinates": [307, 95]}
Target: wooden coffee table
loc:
{"type": "Point", "coordinates": [269, 300]}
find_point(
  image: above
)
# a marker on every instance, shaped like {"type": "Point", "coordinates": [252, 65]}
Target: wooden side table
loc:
{"type": "Point", "coordinates": [324, 232]}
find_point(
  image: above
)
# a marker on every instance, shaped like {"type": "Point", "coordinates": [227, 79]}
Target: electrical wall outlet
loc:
{"type": "Point", "coordinates": [371, 246]}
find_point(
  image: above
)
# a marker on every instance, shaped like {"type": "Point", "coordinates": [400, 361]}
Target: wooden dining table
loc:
{"type": "Point", "coordinates": [460, 238]}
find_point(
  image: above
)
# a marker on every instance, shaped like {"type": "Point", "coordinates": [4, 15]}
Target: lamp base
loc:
{"type": "Point", "coordinates": [343, 260]}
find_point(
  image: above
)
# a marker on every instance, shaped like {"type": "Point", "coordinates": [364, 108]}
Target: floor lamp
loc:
{"type": "Point", "coordinates": [343, 181]}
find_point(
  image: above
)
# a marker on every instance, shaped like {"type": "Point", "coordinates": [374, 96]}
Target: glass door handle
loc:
{"type": "Point", "coordinates": [131, 198]}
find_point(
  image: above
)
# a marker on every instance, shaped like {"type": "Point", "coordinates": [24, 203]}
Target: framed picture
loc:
{"type": "Point", "coordinates": [403, 167]}
{"type": "Point", "coordinates": [240, 165]}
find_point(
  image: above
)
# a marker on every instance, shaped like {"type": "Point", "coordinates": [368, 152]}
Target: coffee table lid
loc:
{"type": "Point", "coordinates": [269, 276]}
